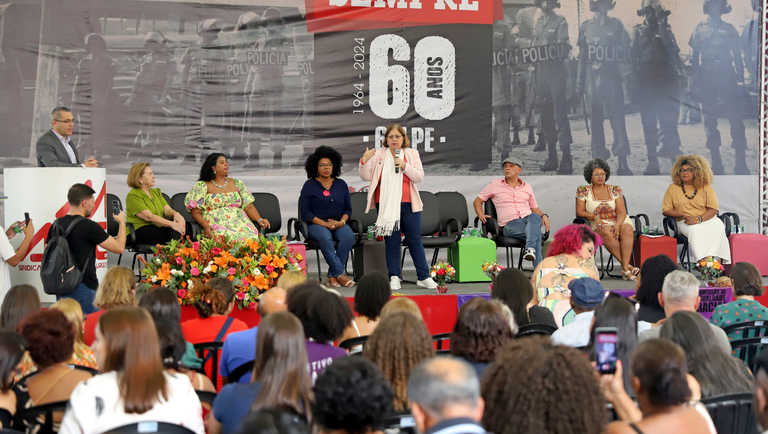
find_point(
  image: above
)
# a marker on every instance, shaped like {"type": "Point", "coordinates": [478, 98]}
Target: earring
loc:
{"type": "Point", "coordinates": [214, 172]}
{"type": "Point", "coordinates": [317, 174]}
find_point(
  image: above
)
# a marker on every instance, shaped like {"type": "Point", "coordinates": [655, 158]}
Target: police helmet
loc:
{"type": "Point", "coordinates": [155, 36]}
{"type": "Point", "coordinates": [248, 21]}
{"type": "Point", "coordinates": [593, 4]}
{"type": "Point", "coordinates": [95, 42]}
{"type": "Point", "coordinates": [211, 25]}
{"type": "Point", "coordinates": [273, 18]}
{"type": "Point", "coordinates": [539, 2]}
{"type": "Point", "coordinates": [725, 8]}
{"type": "Point", "coordinates": [652, 4]}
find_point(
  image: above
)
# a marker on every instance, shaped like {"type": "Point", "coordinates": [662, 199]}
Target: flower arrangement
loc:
{"type": "Point", "coordinates": [710, 269]}
{"type": "Point", "coordinates": [442, 272]}
{"type": "Point", "coordinates": [491, 269]}
{"type": "Point", "coordinates": [253, 265]}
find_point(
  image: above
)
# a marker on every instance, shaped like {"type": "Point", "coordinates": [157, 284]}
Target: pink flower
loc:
{"type": "Point", "coordinates": [246, 284]}
{"type": "Point", "coordinates": [179, 260]}
{"type": "Point", "coordinates": [251, 306]}
{"type": "Point", "coordinates": [196, 245]}
{"type": "Point", "coordinates": [181, 293]}
{"type": "Point", "coordinates": [441, 272]}
{"type": "Point", "coordinates": [232, 271]}
{"type": "Point", "coordinates": [270, 268]}
{"type": "Point", "coordinates": [240, 295]}
{"type": "Point", "coordinates": [216, 250]}
{"type": "Point", "coordinates": [194, 271]}
{"type": "Point", "coordinates": [293, 261]}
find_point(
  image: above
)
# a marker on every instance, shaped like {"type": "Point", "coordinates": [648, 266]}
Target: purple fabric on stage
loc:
{"type": "Point", "coordinates": [710, 298]}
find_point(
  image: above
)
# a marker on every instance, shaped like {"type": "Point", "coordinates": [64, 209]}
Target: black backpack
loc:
{"type": "Point", "coordinates": [58, 271]}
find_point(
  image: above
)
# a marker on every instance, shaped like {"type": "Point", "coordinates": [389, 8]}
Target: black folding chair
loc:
{"type": "Point", "coordinates": [400, 423]}
{"type": "Point", "coordinates": [732, 413]}
{"type": "Point", "coordinates": [535, 329]}
{"type": "Point", "coordinates": [269, 208]}
{"type": "Point", "coordinates": [353, 342]}
{"type": "Point", "coordinates": [150, 427]}
{"type": "Point", "coordinates": [210, 351]}
{"type": "Point", "coordinates": [178, 204]}
{"type": "Point", "coordinates": [31, 416]}
{"type": "Point", "coordinates": [672, 230]}
{"type": "Point", "coordinates": [748, 349]}
{"type": "Point", "coordinates": [439, 338]}
{"type": "Point", "coordinates": [491, 228]}
{"type": "Point", "coordinates": [745, 330]}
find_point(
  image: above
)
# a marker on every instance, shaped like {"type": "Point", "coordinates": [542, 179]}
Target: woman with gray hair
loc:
{"type": "Point", "coordinates": [603, 205]}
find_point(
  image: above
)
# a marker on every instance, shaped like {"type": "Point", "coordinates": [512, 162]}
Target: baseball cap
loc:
{"type": "Point", "coordinates": [513, 160]}
{"type": "Point", "coordinates": [586, 292]}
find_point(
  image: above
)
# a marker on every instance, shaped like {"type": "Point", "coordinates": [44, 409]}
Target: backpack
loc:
{"type": "Point", "coordinates": [58, 271]}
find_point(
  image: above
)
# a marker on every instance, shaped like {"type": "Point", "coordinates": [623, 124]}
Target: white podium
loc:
{"type": "Point", "coordinates": [42, 192]}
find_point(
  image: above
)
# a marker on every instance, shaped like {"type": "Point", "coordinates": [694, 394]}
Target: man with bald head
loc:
{"type": "Point", "coordinates": [239, 349]}
{"type": "Point", "coordinates": [445, 397]}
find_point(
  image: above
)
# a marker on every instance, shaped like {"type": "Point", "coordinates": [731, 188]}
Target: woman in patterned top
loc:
{"type": "Point", "coordinates": [222, 205]}
{"type": "Point", "coordinates": [603, 205]}
{"type": "Point", "coordinates": [747, 284]}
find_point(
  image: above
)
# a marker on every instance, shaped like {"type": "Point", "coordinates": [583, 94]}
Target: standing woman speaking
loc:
{"type": "Point", "coordinates": [394, 172]}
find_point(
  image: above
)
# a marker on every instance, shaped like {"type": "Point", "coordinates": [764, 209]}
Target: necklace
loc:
{"type": "Point", "coordinates": [328, 187]}
{"type": "Point", "coordinates": [694, 191]}
{"type": "Point", "coordinates": [226, 180]}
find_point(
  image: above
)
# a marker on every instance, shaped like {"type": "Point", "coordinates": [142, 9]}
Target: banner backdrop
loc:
{"type": "Point", "coordinates": [266, 81]}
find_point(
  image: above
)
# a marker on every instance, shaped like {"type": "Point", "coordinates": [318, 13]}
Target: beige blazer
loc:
{"type": "Point", "coordinates": [371, 171]}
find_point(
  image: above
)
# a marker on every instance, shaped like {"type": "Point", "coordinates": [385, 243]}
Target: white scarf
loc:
{"type": "Point", "coordinates": [390, 196]}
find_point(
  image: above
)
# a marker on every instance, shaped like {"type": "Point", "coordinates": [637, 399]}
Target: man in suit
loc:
{"type": "Point", "coordinates": [55, 148]}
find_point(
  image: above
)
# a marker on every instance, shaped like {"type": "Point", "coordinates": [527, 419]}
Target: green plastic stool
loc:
{"type": "Point", "coordinates": [468, 258]}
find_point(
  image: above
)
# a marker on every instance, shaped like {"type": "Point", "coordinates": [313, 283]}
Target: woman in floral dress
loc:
{"type": "Point", "coordinates": [222, 205]}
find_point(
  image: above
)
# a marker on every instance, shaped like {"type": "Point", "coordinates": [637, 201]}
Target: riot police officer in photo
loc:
{"type": "Point", "coordinates": [718, 70]}
{"type": "Point", "coordinates": [551, 47]}
{"type": "Point", "coordinates": [503, 55]}
{"type": "Point", "coordinates": [657, 75]}
{"type": "Point", "coordinates": [151, 89]}
{"type": "Point", "coordinates": [604, 46]}
{"type": "Point", "coordinates": [202, 95]}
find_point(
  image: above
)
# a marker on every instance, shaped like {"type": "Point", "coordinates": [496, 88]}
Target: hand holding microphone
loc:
{"type": "Point", "coordinates": [399, 163]}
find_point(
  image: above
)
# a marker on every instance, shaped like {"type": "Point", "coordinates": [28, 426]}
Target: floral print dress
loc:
{"type": "Point", "coordinates": [225, 212]}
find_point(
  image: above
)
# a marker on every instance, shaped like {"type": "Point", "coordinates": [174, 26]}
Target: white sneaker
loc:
{"type": "Point", "coordinates": [427, 283]}
{"type": "Point", "coordinates": [394, 283]}
{"type": "Point", "coordinates": [530, 254]}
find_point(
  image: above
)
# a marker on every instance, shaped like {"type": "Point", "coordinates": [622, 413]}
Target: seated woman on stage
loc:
{"type": "Point", "coordinates": [147, 210]}
{"type": "Point", "coordinates": [603, 205]}
{"type": "Point", "coordinates": [222, 205]}
{"type": "Point", "coordinates": [569, 257]}
{"type": "Point", "coordinates": [692, 201]}
{"type": "Point", "coordinates": [326, 207]}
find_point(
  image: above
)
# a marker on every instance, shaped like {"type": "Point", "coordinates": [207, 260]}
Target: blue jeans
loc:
{"type": "Point", "coordinates": [83, 295]}
{"type": "Point", "coordinates": [527, 228]}
{"type": "Point", "coordinates": [336, 259]}
{"type": "Point", "coordinates": [410, 225]}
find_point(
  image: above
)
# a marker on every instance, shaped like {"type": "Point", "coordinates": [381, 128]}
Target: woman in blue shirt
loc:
{"type": "Point", "coordinates": [326, 207]}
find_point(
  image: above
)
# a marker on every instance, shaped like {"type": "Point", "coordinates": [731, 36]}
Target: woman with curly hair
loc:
{"type": "Point", "coordinates": [571, 256]}
{"type": "Point", "coordinates": [397, 346]}
{"type": "Point", "coordinates": [118, 288]}
{"type": "Point", "coordinates": [648, 287]}
{"type": "Point", "coordinates": [351, 397]}
{"type": "Point", "coordinates": [222, 205]}
{"type": "Point", "coordinates": [692, 201]}
{"type": "Point", "coordinates": [664, 393]}
{"type": "Point", "coordinates": [480, 332]}
{"type": "Point", "coordinates": [50, 341]}
{"type": "Point", "coordinates": [372, 294]}
{"type": "Point", "coordinates": [326, 206]}
{"type": "Point", "coordinates": [535, 387]}
{"type": "Point", "coordinates": [514, 289]}
{"type": "Point", "coordinates": [603, 205]}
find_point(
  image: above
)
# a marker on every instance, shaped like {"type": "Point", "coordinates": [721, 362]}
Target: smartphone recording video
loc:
{"type": "Point", "coordinates": [606, 342]}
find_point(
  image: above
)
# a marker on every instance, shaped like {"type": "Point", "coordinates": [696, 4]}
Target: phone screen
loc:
{"type": "Point", "coordinates": [26, 217]}
{"type": "Point", "coordinates": [115, 207]}
{"type": "Point", "coordinates": [606, 351]}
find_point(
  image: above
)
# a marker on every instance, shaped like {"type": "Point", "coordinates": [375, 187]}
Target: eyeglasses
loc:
{"type": "Point", "coordinates": [394, 137]}
{"type": "Point", "coordinates": [686, 170]}
{"type": "Point", "coordinates": [598, 175]}
{"type": "Point", "coordinates": [68, 122]}
{"type": "Point", "coordinates": [322, 165]}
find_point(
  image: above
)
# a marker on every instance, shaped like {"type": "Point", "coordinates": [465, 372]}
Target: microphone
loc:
{"type": "Point", "coordinates": [398, 153]}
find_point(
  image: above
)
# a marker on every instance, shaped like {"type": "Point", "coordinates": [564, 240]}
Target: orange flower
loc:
{"type": "Point", "coordinates": [164, 273]}
{"type": "Point", "coordinates": [231, 278]}
{"type": "Point", "coordinates": [265, 259]}
{"type": "Point", "coordinates": [214, 268]}
{"type": "Point", "coordinates": [273, 275]}
{"type": "Point", "coordinates": [183, 284]}
{"type": "Point", "coordinates": [253, 245]}
{"type": "Point", "coordinates": [260, 282]}
{"type": "Point", "coordinates": [221, 261]}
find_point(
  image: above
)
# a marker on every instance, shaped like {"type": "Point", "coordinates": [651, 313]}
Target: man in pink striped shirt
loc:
{"type": "Point", "coordinates": [516, 208]}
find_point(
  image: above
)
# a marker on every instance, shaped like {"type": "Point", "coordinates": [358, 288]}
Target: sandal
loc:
{"type": "Point", "coordinates": [332, 282]}
{"type": "Point", "coordinates": [629, 275]}
{"type": "Point", "coordinates": [346, 281]}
